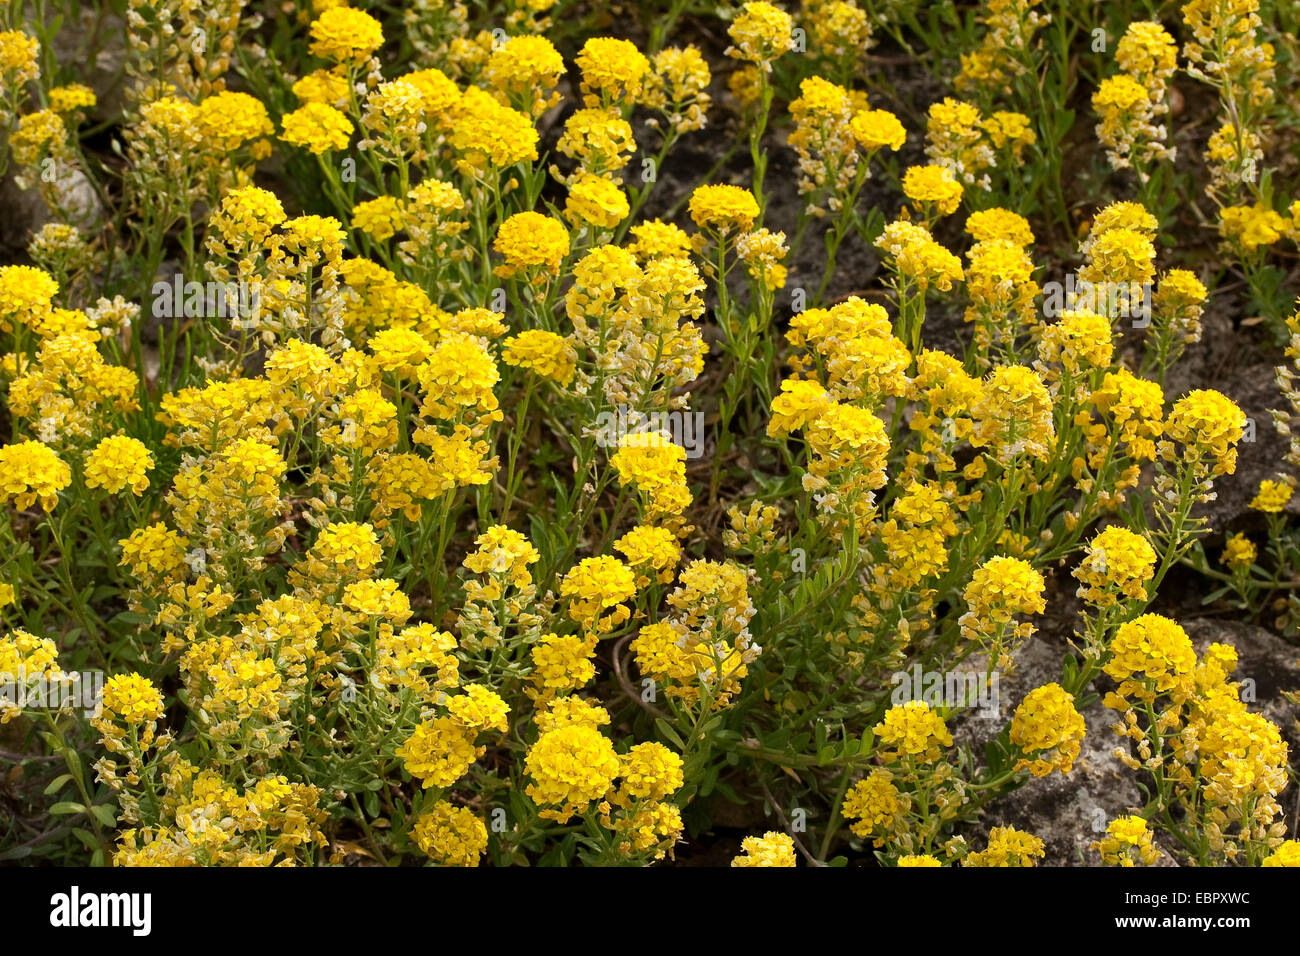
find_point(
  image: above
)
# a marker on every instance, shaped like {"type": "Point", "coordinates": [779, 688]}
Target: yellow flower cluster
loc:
{"type": "Point", "coordinates": [1048, 729]}
{"type": "Point", "coordinates": [1117, 565]}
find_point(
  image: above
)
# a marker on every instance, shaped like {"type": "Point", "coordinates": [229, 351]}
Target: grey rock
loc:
{"type": "Point", "coordinates": [1066, 812]}
{"type": "Point", "coordinates": [26, 211]}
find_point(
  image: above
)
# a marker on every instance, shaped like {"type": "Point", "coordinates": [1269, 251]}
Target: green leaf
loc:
{"type": "Point", "coordinates": [73, 760]}
{"type": "Point", "coordinates": [105, 814]}
{"type": "Point", "coordinates": [710, 780]}
{"type": "Point", "coordinates": [133, 618]}
{"type": "Point", "coordinates": [728, 793]}
{"type": "Point", "coordinates": [57, 784]}
{"type": "Point", "coordinates": [65, 807]}
{"type": "Point", "coordinates": [666, 730]}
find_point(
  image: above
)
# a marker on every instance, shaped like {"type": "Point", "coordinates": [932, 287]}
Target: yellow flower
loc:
{"type": "Point", "coordinates": [650, 548]}
{"type": "Point", "coordinates": [1252, 227]}
{"type": "Point", "coordinates": [596, 585]}
{"type": "Point", "coordinates": [1048, 728]}
{"type": "Point", "coordinates": [913, 730]}
{"type": "Point", "coordinates": [596, 201]}
{"type": "Point", "coordinates": [1272, 497]}
{"type": "Point", "coordinates": [657, 239]}
{"type": "Point", "coordinates": [18, 57]}
{"type": "Point", "coordinates": [450, 835]}
{"type": "Point", "coordinates": [346, 35]}
{"type": "Point", "coordinates": [229, 120]}
{"type": "Point", "coordinates": [1238, 552]}
{"type": "Point", "coordinates": [1127, 843]}
{"type": "Point", "coordinates": [322, 86]}
{"type": "Point", "coordinates": [1150, 656]}
{"type": "Point", "coordinates": [1287, 854]}
{"type": "Point", "coordinates": [570, 712]}
{"type": "Point", "coordinates": [400, 352]}
{"type": "Point", "coordinates": [1119, 257]}
{"type": "Point", "coordinates": [1209, 424]}
{"type": "Point", "coordinates": [601, 141]}
{"type": "Point", "coordinates": [44, 135]}
{"type": "Point", "coordinates": [401, 658]}
{"type": "Point", "coordinates": [479, 709]}
{"type": "Point", "coordinates": [723, 208]}
{"type": "Point", "coordinates": [762, 251]}
{"type": "Point", "coordinates": [1116, 560]}
{"type": "Point", "coordinates": [933, 184]}
{"type": "Point", "coordinates": [648, 771]}
{"type": "Point", "coordinates": [678, 87]}
{"type": "Point", "coordinates": [1180, 300]}
{"type": "Point", "coordinates": [1013, 415]}
{"type": "Point", "coordinates": [772, 848]}
{"type": "Point", "coordinates": [1080, 341]}
{"type": "Point", "coordinates": [570, 766]}
{"type": "Point", "coordinates": [153, 551]}
{"type": "Point", "coordinates": [487, 133]}
{"type": "Point", "coordinates": [760, 34]}
{"type": "Point", "coordinates": [877, 129]}
{"type": "Point", "coordinates": [439, 94]}
{"type": "Point", "coordinates": [800, 403]}
{"type": "Point", "coordinates": [656, 466]}
{"type": "Point", "coordinates": [72, 97]}
{"type": "Point", "coordinates": [914, 253]}
{"type": "Point", "coordinates": [24, 659]}
{"type": "Point", "coordinates": [378, 218]}
{"type": "Point", "coordinates": [366, 421]}
{"type": "Point", "coordinates": [248, 213]}
{"type": "Point", "coordinates": [998, 223]}
{"type": "Point", "coordinates": [132, 699]}
{"type": "Point", "coordinates": [873, 805]}
{"type": "Point", "coordinates": [560, 664]}
{"type": "Point", "coordinates": [26, 294]}
{"type": "Point", "coordinates": [317, 127]}
{"type": "Point", "coordinates": [1132, 216]}
{"type": "Point", "coordinates": [1125, 108]}
{"type": "Point", "coordinates": [119, 461]}
{"type": "Point", "coordinates": [529, 240]}
{"type": "Point", "coordinates": [503, 552]}
{"type": "Point", "coordinates": [612, 69]}
{"type": "Point", "coordinates": [347, 545]}
{"type": "Point", "coordinates": [544, 353]}
{"type": "Point", "coordinates": [439, 751]}
{"type": "Point", "coordinates": [1008, 847]}
{"type": "Point", "coordinates": [526, 69]}
{"type": "Point", "coordinates": [1149, 53]}
{"type": "Point", "coordinates": [999, 589]}
{"type": "Point", "coordinates": [30, 471]}
{"type": "Point", "coordinates": [459, 377]}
